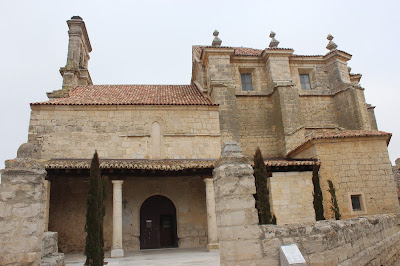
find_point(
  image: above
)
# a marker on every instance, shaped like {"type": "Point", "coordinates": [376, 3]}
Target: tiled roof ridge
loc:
{"type": "Point", "coordinates": [248, 51]}
{"type": "Point", "coordinates": [133, 94]}
{"type": "Point", "coordinates": [300, 55]}
{"type": "Point", "coordinates": [341, 134]}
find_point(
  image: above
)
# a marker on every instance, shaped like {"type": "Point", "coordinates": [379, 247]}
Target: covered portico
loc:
{"type": "Point", "coordinates": [150, 204]}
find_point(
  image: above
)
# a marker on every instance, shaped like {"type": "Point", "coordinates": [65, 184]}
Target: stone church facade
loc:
{"type": "Point", "coordinates": [160, 146]}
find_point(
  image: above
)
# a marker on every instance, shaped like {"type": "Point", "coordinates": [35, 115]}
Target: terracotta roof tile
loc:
{"type": "Point", "coordinates": [291, 162]}
{"type": "Point", "coordinates": [141, 164]}
{"type": "Point", "coordinates": [132, 95]}
{"type": "Point", "coordinates": [247, 51]}
{"type": "Point", "coordinates": [244, 51]}
{"type": "Point", "coordinates": [342, 134]}
{"type": "Point", "coordinates": [165, 165]}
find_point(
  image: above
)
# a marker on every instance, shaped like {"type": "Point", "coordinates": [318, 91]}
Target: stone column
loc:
{"type": "Point", "coordinates": [117, 250]}
{"type": "Point", "coordinates": [239, 235]}
{"type": "Point", "coordinates": [47, 210]}
{"type": "Point", "coordinates": [211, 217]}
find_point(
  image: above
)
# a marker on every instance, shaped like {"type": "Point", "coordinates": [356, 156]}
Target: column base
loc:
{"type": "Point", "coordinates": [213, 247]}
{"type": "Point", "coordinates": [116, 253]}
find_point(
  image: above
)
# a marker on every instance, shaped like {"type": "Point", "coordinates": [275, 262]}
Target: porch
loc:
{"type": "Point", "coordinates": [172, 256]}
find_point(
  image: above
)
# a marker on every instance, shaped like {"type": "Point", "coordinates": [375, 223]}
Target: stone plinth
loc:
{"type": "Point", "coordinates": [22, 212]}
{"type": "Point", "coordinates": [237, 217]}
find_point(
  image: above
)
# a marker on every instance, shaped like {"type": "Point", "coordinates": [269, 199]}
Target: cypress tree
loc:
{"type": "Point", "coordinates": [335, 206]}
{"type": "Point", "coordinates": [262, 197]}
{"type": "Point", "coordinates": [318, 199]}
{"type": "Point", "coordinates": [94, 248]}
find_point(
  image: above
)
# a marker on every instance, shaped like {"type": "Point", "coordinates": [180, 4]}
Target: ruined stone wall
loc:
{"type": "Point", "coordinates": [371, 240]}
{"type": "Point", "coordinates": [124, 132]}
{"type": "Point", "coordinates": [22, 212]}
{"type": "Point", "coordinates": [291, 197]}
{"type": "Point", "coordinates": [68, 210]}
{"type": "Point", "coordinates": [356, 166]}
{"type": "Point", "coordinates": [256, 125]}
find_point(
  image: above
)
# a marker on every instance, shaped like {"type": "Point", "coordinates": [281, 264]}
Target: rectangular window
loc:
{"type": "Point", "coordinates": [305, 81]}
{"type": "Point", "coordinates": [356, 202]}
{"type": "Point", "coordinates": [246, 82]}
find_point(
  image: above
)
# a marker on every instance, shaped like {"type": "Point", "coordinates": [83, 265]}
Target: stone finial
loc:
{"type": "Point", "coordinates": [349, 69]}
{"type": "Point", "coordinates": [331, 45]}
{"type": "Point", "coordinates": [274, 42]}
{"type": "Point", "coordinates": [217, 41]}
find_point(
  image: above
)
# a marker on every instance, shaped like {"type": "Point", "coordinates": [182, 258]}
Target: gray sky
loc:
{"type": "Point", "coordinates": [149, 42]}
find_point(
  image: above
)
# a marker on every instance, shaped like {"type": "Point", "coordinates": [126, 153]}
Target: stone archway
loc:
{"type": "Point", "coordinates": [158, 223]}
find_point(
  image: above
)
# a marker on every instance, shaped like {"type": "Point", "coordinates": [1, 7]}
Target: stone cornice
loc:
{"type": "Point", "coordinates": [337, 54]}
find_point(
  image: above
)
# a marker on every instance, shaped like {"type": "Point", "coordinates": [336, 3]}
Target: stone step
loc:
{"type": "Point", "coordinates": [56, 259]}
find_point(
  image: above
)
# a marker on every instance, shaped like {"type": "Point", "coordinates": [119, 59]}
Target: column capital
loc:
{"type": "Point", "coordinates": [208, 180]}
{"type": "Point", "coordinates": [117, 182]}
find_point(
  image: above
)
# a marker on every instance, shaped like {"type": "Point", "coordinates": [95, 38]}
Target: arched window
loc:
{"type": "Point", "coordinates": [155, 140]}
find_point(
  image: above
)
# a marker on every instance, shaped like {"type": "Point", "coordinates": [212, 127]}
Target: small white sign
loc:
{"type": "Point", "coordinates": [291, 255]}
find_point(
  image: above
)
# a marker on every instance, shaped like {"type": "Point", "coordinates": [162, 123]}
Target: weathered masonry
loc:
{"type": "Point", "coordinates": [178, 159]}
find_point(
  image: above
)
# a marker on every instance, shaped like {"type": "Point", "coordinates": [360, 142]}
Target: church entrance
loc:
{"type": "Point", "coordinates": [158, 223]}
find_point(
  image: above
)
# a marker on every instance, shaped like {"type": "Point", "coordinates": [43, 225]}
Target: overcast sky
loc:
{"type": "Point", "coordinates": [149, 42]}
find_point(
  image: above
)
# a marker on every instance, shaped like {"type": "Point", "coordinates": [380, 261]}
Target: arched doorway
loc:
{"type": "Point", "coordinates": [158, 223]}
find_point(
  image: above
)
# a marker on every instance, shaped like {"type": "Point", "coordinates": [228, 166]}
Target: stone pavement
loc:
{"type": "Point", "coordinates": [172, 256]}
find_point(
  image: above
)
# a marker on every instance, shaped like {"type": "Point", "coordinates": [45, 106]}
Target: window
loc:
{"type": "Point", "coordinates": [356, 202]}
{"type": "Point", "coordinates": [246, 82]}
{"type": "Point", "coordinates": [305, 81]}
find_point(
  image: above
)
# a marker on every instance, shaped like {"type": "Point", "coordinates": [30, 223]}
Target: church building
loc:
{"type": "Point", "coordinates": [159, 144]}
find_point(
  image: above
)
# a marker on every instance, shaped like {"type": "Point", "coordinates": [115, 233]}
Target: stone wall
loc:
{"type": "Point", "coordinates": [68, 210]}
{"type": "Point", "coordinates": [22, 212]}
{"type": "Point", "coordinates": [124, 132]}
{"type": "Point", "coordinates": [256, 125]}
{"type": "Point", "coordinates": [259, 76]}
{"type": "Point", "coordinates": [291, 197]}
{"type": "Point", "coordinates": [370, 240]}
{"type": "Point", "coordinates": [316, 70]}
{"type": "Point", "coordinates": [318, 112]}
{"type": "Point", "coordinates": [356, 166]}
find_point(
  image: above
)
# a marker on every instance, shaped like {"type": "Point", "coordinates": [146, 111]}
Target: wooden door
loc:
{"type": "Point", "coordinates": [158, 223]}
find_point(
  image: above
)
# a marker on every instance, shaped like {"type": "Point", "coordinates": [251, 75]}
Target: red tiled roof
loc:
{"type": "Point", "coordinates": [247, 51]}
{"type": "Point", "coordinates": [291, 162]}
{"type": "Point", "coordinates": [165, 165]}
{"type": "Point", "coordinates": [244, 51]}
{"type": "Point", "coordinates": [342, 134]}
{"type": "Point", "coordinates": [299, 55]}
{"type": "Point", "coordinates": [142, 164]}
{"type": "Point", "coordinates": [132, 95]}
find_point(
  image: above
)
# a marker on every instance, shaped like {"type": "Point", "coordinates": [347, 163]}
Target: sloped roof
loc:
{"type": "Point", "coordinates": [132, 95]}
{"type": "Point", "coordinates": [164, 165]}
{"type": "Point", "coordinates": [241, 51]}
{"type": "Point", "coordinates": [247, 51]}
{"type": "Point", "coordinates": [342, 134]}
{"type": "Point", "coordinates": [142, 164]}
